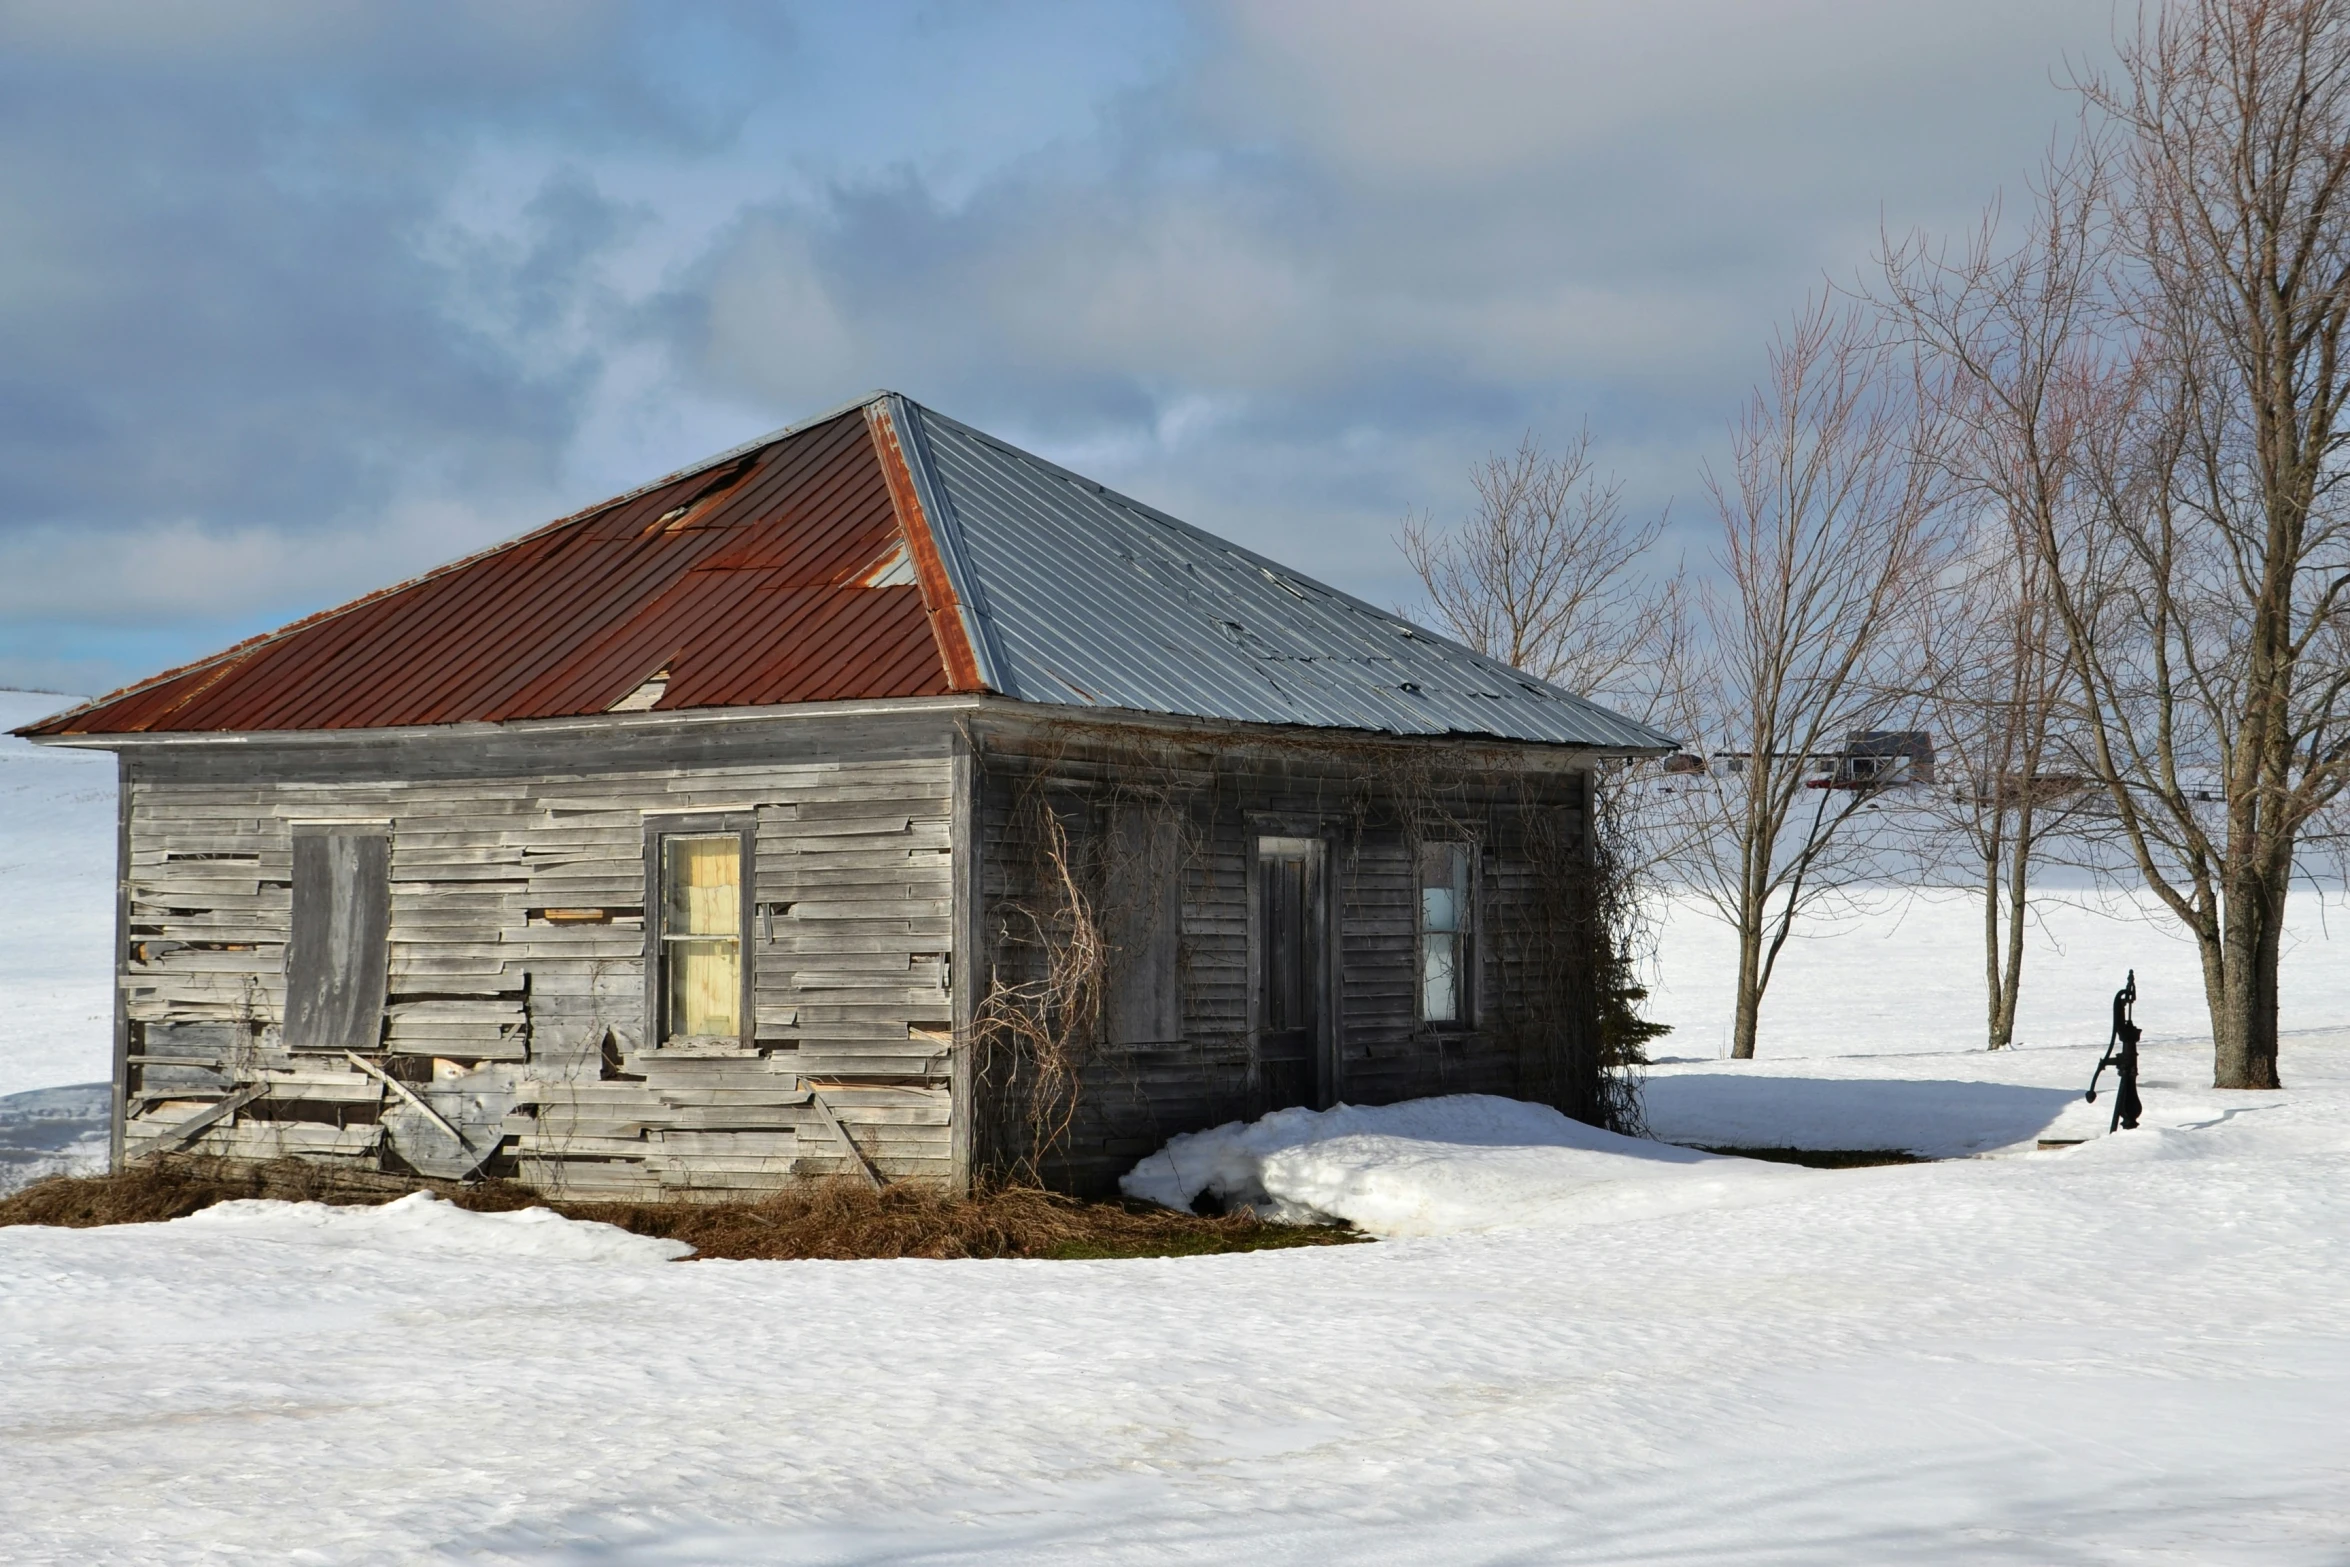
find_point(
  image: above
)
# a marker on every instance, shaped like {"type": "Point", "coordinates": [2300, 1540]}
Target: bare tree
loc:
{"type": "Point", "coordinates": [1544, 576]}
{"type": "Point", "coordinates": [2202, 596]}
{"type": "Point", "coordinates": [1995, 695]}
{"type": "Point", "coordinates": [1825, 539]}
{"type": "Point", "coordinates": [2018, 367]}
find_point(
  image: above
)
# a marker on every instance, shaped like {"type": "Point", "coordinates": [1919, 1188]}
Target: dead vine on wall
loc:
{"type": "Point", "coordinates": [1035, 1031]}
{"type": "Point", "coordinates": [1567, 948]}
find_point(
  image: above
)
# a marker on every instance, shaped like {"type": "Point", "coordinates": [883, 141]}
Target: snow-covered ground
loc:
{"type": "Point", "coordinates": [56, 904]}
{"type": "Point", "coordinates": [1570, 1348]}
{"type": "Point", "coordinates": [2130, 1351]}
{"type": "Point", "coordinates": [52, 1131]}
{"type": "Point", "coordinates": [1902, 969]}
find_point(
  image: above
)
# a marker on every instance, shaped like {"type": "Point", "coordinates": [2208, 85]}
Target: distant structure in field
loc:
{"type": "Point", "coordinates": [1881, 759]}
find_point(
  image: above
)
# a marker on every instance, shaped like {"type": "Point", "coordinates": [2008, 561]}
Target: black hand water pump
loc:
{"type": "Point", "coordinates": [2121, 1053]}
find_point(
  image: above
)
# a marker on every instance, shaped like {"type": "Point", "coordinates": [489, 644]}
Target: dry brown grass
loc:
{"type": "Point", "coordinates": [835, 1219]}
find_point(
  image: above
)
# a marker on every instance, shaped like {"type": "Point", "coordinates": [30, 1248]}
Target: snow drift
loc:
{"type": "Point", "coordinates": [421, 1224]}
{"type": "Point", "coordinates": [1460, 1164]}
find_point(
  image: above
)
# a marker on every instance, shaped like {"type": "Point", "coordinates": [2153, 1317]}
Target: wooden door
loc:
{"type": "Point", "coordinates": [1289, 982]}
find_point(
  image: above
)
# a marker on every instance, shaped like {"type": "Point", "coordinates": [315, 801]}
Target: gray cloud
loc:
{"type": "Point", "coordinates": [1301, 286]}
{"type": "Point", "coordinates": [248, 362]}
{"type": "Point", "coordinates": [307, 296]}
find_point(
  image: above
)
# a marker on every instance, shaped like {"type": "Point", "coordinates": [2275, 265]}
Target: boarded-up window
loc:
{"type": "Point", "coordinates": [339, 947]}
{"type": "Point", "coordinates": [699, 965]}
{"type": "Point", "coordinates": [1447, 930]}
{"type": "Point", "coordinates": [1142, 912]}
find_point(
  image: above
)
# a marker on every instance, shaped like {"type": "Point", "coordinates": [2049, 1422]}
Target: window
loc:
{"type": "Point", "coordinates": [1446, 956]}
{"type": "Point", "coordinates": [698, 966]}
{"type": "Point", "coordinates": [338, 948]}
{"type": "Point", "coordinates": [1142, 917]}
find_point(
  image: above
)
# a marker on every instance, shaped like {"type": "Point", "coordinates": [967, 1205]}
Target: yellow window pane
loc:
{"type": "Point", "coordinates": [705, 988]}
{"type": "Point", "coordinates": [702, 886]}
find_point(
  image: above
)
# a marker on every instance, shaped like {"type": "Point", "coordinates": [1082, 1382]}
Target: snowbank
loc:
{"type": "Point", "coordinates": [421, 1224]}
{"type": "Point", "coordinates": [1455, 1165]}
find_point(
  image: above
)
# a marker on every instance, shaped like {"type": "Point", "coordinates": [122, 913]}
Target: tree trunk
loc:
{"type": "Point", "coordinates": [2243, 994]}
{"type": "Point", "coordinates": [2009, 985]}
{"type": "Point", "coordinates": [1993, 991]}
{"type": "Point", "coordinates": [1749, 1008]}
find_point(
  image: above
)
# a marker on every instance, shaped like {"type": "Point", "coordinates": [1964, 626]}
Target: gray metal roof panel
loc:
{"type": "Point", "coordinates": [1094, 599]}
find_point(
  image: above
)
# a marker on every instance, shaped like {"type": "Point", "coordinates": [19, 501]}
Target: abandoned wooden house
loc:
{"type": "Point", "coordinates": [873, 800]}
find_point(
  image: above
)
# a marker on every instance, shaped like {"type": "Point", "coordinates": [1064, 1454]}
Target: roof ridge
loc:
{"type": "Point", "coordinates": [945, 527]}
{"type": "Point", "coordinates": [1266, 563]}
{"type": "Point", "coordinates": [584, 515]}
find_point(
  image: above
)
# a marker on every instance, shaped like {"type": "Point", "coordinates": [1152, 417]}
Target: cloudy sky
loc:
{"type": "Point", "coordinates": [299, 298]}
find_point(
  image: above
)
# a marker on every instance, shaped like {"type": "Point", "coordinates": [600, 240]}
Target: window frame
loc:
{"type": "Point", "coordinates": [743, 826]}
{"type": "Point", "coordinates": [1466, 950]}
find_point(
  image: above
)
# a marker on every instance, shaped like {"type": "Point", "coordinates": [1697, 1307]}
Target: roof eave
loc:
{"type": "Point", "coordinates": [653, 720]}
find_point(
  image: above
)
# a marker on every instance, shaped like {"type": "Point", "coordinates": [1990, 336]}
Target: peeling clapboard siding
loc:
{"type": "Point", "coordinates": [517, 956]}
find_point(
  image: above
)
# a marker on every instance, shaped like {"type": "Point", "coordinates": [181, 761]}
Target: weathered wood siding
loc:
{"type": "Point", "coordinates": [1371, 804]}
{"type": "Point", "coordinates": [517, 980]}
{"type": "Point", "coordinates": [502, 981]}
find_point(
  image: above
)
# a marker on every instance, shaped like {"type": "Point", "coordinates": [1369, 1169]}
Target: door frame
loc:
{"type": "Point", "coordinates": [1321, 929]}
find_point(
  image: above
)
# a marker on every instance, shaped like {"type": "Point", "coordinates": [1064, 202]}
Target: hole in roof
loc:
{"type": "Point", "coordinates": [645, 695]}
{"type": "Point", "coordinates": [895, 569]}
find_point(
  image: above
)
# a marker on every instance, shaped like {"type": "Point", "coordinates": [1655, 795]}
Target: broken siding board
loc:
{"type": "Point", "coordinates": [287, 1139]}
{"type": "Point", "coordinates": [729, 1147]}
{"type": "Point", "coordinates": [725, 1118]}
{"type": "Point", "coordinates": [590, 1180]}
{"type": "Point", "coordinates": [938, 911]}
{"type": "Point", "coordinates": [885, 965]}
{"type": "Point", "coordinates": [320, 1085]}
{"type": "Point", "coordinates": [187, 960]}
{"type": "Point", "coordinates": [576, 1144]}
{"type": "Point", "coordinates": [846, 1064]}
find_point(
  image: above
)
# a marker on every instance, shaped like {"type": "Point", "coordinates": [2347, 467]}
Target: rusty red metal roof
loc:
{"type": "Point", "coordinates": [790, 572]}
{"type": "Point", "coordinates": [878, 552]}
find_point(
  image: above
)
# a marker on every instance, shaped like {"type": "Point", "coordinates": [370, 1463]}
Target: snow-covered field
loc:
{"type": "Point", "coordinates": [2132, 1351]}
{"type": "Point", "coordinates": [56, 904]}
{"type": "Point", "coordinates": [1902, 969]}
{"type": "Point", "coordinates": [1571, 1348]}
